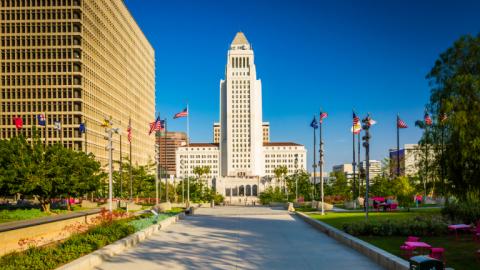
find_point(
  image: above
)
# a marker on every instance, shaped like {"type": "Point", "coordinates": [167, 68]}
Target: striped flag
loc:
{"type": "Point", "coordinates": [356, 120]}
{"type": "Point", "coordinates": [323, 115]}
{"type": "Point", "coordinates": [428, 120]}
{"type": "Point", "coordinates": [401, 123]}
{"type": "Point", "coordinates": [158, 125]}
{"type": "Point", "coordinates": [183, 113]}
{"type": "Point", "coordinates": [129, 131]}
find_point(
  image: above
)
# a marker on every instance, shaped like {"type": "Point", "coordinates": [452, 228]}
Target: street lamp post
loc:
{"type": "Point", "coordinates": [296, 177]}
{"type": "Point", "coordinates": [366, 143]}
{"type": "Point", "coordinates": [110, 130]}
{"type": "Point", "coordinates": [157, 157]}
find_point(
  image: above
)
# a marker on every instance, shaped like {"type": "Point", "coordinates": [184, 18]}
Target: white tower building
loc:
{"type": "Point", "coordinates": [241, 135]}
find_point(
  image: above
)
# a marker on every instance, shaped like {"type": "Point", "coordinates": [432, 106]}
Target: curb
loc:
{"type": "Point", "coordinates": [378, 255]}
{"type": "Point", "coordinates": [97, 257]}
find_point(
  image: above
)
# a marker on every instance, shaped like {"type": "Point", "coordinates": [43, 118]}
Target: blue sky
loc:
{"type": "Point", "coordinates": [337, 55]}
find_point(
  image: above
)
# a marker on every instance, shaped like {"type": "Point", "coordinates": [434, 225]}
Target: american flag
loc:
{"type": "Point", "coordinates": [355, 119]}
{"type": "Point", "coordinates": [401, 123]}
{"type": "Point", "coordinates": [428, 120]}
{"type": "Point", "coordinates": [158, 125]}
{"type": "Point", "coordinates": [183, 113]}
{"type": "Point", "coordinates": [129, 132]}
{"type": "Point", "coordinates": [323, 115]}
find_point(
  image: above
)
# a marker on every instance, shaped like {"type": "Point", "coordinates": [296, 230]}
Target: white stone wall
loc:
{"type": "Point", "coordinates": [276, 156]}
{"type": "Point", "coordinates": [188, 158]}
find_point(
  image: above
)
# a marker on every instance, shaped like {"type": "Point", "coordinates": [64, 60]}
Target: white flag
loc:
{"type": "Point", "coordinates": [57, 125]}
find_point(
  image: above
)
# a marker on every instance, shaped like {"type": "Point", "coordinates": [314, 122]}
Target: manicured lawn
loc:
{"type": "Point", "coordinates": [460, 254]}
{"type": "Point", "coordinates": [24, 214]}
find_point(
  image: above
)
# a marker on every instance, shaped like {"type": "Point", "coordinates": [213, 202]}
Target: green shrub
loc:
{"type": "Point", "coordinates": [419, 226]}
{"type": "Point", "coordinates": [272, 195]}
{"type": "Point", "coordinates": [76, 246]}
{"type": "Point", "coordinates": [467, 211]}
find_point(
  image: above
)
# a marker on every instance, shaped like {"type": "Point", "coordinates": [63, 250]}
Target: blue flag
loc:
{"type": "Point", "coordinates": [82, 128]}
{"type": "Point", "coordinates": [41, 119]}
{"type": "Point", "coordinates": [314, 123]}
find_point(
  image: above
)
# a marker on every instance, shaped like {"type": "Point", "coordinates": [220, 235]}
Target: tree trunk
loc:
{"type": "Point", "coordinates": [45, 206]}
{"type": "Point", "coordinates": [69, 207]}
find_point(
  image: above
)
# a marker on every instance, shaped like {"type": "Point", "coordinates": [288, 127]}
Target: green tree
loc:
{"type": "Point", "coordinates": [382, 186]}
{"type": "Point", "coordinates": [404, 191]}
{"type": "Point", "coordinates": [280, 173]}
{"type": "Point", "coordinates": [301, 178]}
{"type": "Point", "coordinates": [340, 185]}
{"type": "Point", "coordinates": [455, 82]}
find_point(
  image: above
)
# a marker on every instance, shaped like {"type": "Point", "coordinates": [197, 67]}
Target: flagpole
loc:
{"type": "Point", "coordinates": [398, 147]}
{"type": "Point", "coordinates": [354, 165]}
{"type": "Point", "coordinates": [121, 169]}
{"type": "Point", "coordinates": [165, 159]}
{"type": "Point", "coordinates": [45, 130]}
{"type": "Point", "coordinates": [321, 162]}
{"type": "Point", "coordinates": [359, 159]}
{"type": "Point", "coordinates": [130, 161]}
{"type": "Point", "coordinates": [86, 132]}
{"type": "Point", "coordinates": [314, 161]}
{"type": "Point", "coordinates": [188, 163]}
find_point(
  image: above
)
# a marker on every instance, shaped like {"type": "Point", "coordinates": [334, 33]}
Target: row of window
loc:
{"type": "Point", "coordinates": [41, 54]}
{"type": "Point", "coordinates": [240, 62]}
{"type": "Point", "coordinates": [41, 40]}
{"type": "Point", "coordinates": [41, 28]}
{"type": "Point", "coordinates": [31, 119]}
{"type": "Point", "coordinates": [40, 93]}
{"type": "Point", "coordinates": [33, 67]}
{"type": "Point", "coordinates": [39, 3]}
{"type": "Point", "coordinates": [41, 80]}
{"type": "Point", "coordinates": [57, 106]}
{"type": "Point", "coordinates": [44, 14]}
{"type": "Point", "coordinates": [242, 191]}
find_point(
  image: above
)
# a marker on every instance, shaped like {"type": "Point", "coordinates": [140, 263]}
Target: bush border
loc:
{"type": "Point", "coordinates": [378, 255]}
{"type": "Point", "coordinates": [90, 261]}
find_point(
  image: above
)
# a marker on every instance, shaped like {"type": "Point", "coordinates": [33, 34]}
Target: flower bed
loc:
{"type": "Point", "coordinates": [107, 232]}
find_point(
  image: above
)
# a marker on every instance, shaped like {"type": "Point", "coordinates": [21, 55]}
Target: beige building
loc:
{"type": "Point", "coordinates": [167, 147]}
{"type": "Point", "coordinates": [265, 132]}
{"type": "Point", "coordinates": [77, 61]}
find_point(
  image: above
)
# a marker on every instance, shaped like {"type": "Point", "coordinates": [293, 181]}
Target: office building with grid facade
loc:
{"type": "Point", "coordinates": [77, 61]}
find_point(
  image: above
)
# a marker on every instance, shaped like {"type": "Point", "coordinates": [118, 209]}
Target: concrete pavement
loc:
{"type": "Point", "coordinates": [240, 238]}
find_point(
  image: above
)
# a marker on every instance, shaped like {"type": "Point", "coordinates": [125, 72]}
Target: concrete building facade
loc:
{"type": "Point", "coordinates": [76, 61]}
{"type": "Point", "coordinates": [167, 148]}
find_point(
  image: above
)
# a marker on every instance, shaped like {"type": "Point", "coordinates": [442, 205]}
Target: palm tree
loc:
{"type": "Point", "coordinates": [279, 172]}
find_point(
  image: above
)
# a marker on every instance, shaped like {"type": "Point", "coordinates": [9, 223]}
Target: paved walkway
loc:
{"type": "Point", "coordinates": [240, 238]}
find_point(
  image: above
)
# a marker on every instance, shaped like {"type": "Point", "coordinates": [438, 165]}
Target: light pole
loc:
{"type": "Point", "coordinates": [183, 182]}
{"type": "Point", "coordinates": [110, 130]}
{"type": "Point", "coordinates": [157, 157]}
{"type": "Point", "coordinates": [367, 122]}
{"type": "Point", "coordinates": [296, 177]}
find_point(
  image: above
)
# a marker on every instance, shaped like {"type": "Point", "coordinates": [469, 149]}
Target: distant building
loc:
{"type": "Point", "coordinates": [375, 168]}
{"type": "Point", "coordinates": [409, 158]}
{"type": "Point", "coordinates": [167, 147]}
{"type": "Point", "coordinates": [345, 168]}
{"type": "Point", "coordinates": [326, 177]}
